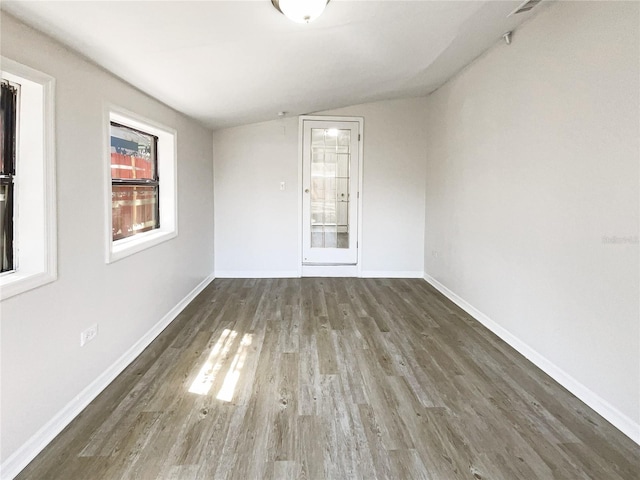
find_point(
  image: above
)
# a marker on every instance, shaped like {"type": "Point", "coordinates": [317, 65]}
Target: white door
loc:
{"type": "Point", "coordinates": [330, 191]}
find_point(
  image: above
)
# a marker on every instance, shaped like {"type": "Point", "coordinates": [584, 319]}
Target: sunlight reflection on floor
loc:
{"type": "Point", "coordinates": [210, 370]}
{"type": "Point", "coordinates": [202, 384]}
{"type": "Point", "coordinates": [231, 380]}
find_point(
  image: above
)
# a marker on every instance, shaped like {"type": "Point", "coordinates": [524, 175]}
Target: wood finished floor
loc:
{"type": "Point", "coordinates": [333, 379]}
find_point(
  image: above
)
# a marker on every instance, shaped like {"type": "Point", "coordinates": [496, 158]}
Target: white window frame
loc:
{"type": "Point", "coordinates": [167, 173]}
{"type": "Point", "coordinates": [35, 234]}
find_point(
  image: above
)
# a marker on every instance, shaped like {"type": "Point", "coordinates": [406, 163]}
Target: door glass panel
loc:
{"type": "Point", "coordinates": [330, 159]}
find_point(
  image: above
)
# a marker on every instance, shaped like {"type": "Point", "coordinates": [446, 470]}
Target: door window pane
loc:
{"type": "Point", "coordinates": [330, 159]}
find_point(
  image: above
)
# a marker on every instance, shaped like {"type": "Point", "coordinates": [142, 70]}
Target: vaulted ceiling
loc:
{"type": "Point", "coordinates": [228, 63]}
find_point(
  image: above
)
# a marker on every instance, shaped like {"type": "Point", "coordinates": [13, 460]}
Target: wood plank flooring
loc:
{"type": "Point", "coordinates": [333, 379]}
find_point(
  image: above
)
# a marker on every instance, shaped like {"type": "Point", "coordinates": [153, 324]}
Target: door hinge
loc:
{"type": "Point", "coordinates": [357, 244]}
{"type": "Point", "coordinates": [358, 137]}
{"type": "Point", "coordinates": [358, 195]}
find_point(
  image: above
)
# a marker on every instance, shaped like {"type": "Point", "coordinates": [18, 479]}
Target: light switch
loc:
{"type": "Point", "coordinates": [282, 186]}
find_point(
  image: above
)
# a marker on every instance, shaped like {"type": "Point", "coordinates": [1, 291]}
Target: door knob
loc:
{"type": "Point", "coordinates": [306, 190]}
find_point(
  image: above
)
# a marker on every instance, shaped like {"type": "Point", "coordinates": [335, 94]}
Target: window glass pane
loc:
{"type": "Point", "coordinates": [6, 226]}
{"type": "Point", "coordinates": [132, 153]}
{"type": "Point", "coordinates": [8, 117]}
{"type": "Point", "coordinates": [134, 210]}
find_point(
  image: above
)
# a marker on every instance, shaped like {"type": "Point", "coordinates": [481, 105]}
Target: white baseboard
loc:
{"type": "Point", "coordinates": [320, 271]}
{"type": "Point", "coordinates": [257, 274]}
{"type": "Point", "coordinates": [618, 419]}
{"type": "Point", "coordinates": [329, 271]}
{"type": "Point", "coordinates": [392, 274]}
{"type": "Point", "coordinates": [11, 467]}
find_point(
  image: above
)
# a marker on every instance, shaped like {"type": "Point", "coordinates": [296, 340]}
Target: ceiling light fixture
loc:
{"type": "Point", "coordinates": [300, 11]}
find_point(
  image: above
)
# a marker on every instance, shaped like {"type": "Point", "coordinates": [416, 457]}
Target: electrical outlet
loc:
{"type": "Point", "coordinates": [89, 334]}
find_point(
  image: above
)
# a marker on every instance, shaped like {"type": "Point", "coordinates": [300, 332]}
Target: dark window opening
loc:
{"type": "Point", "coordinates": [8, 120]}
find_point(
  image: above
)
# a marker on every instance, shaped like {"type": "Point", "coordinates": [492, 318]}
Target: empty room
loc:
{"type": "Point", "coordinates": [320, 239]}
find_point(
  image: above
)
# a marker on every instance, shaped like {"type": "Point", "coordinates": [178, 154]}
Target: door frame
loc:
{"type": "Point", "coordinates": [330, 270]}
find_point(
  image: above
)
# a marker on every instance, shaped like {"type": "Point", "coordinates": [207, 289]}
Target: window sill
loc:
{"type": "Point", "coordinates": [18, 282]}
{"type": "Point", "coordinates": [128, 246]}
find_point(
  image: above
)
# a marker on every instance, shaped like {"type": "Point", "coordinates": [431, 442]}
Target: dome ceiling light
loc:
{"type": "Point", "coordinates": [300, 11]}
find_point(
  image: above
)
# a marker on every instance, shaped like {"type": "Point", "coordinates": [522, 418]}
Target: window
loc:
{"type": "Point", "coordinates": [141, 195]}
{"type": "Point", "coordinates": [8, 124]}
{"type": "Point", "coordinates": [27, 180]}
{"type": "Point", "coordinates": [134, 182]}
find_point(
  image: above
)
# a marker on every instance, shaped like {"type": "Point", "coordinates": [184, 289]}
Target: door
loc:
{"type": "Point", "coordinates": [330, 154]}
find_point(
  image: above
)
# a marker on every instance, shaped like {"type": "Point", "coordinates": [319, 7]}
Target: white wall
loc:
{"type": "Point", "coordinates": [43, 366]}
{"type": "Point", "coordinates": [257, 225]}
{"type": "Point", "coordinates": [393, 186]}
{"type": "Point", "coordinates": [256, 231]}
{"type": "Point", "coordinates": [533, 158]}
